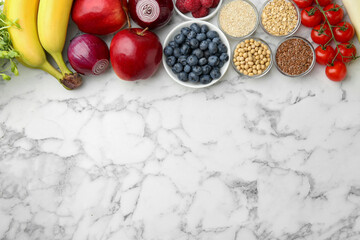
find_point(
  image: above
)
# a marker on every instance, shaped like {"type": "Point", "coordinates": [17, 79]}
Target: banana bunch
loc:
{"type": "Point", "coordinates": [43, 25]}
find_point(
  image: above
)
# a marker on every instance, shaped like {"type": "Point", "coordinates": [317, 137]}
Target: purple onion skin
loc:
{"type": "Point", "coordinates": [88, 55]}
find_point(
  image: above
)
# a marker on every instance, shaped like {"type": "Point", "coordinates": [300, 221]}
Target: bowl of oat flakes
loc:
{"type": "Point", "coordinates": [238, 19]}
{"type": "Point", "coordinates": [280, 18]}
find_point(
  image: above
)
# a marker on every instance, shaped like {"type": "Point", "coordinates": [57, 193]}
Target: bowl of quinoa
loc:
{"type": "Point", "coordinates": [280, 18]}
{"type": "Point", "coordinates": [238, 19]}
{"type": "Point", "coordinates": [295, 57]}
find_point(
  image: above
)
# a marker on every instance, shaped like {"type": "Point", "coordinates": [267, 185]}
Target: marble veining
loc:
{"type": "Point", "coordinates": [267, 159]}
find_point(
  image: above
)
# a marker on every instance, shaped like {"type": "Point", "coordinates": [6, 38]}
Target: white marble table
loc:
{"type": "Point", "coordinates": [272, 158]}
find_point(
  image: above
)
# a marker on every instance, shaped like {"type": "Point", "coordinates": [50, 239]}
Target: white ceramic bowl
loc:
{"type": "Point", "coordinates": [188, 16]}
{"type": "Point", "coordinates": [176, 31]}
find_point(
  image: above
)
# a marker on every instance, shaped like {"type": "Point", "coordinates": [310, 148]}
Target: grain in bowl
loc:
{"type": "Point", "coordinates": [238, 19]}
{"type": "Point", "coordinates": [280, 17]}
{"type": "Point", "coordinates": [295, 57]}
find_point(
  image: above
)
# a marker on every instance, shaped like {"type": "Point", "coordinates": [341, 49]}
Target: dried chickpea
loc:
{"type": "Point", "coordinates": [251, 57]}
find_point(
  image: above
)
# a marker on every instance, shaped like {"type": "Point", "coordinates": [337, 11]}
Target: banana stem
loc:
{"type": "Point", "coordinates": [47, 67]}
{"type": "Point", "coordinates": [68, 80]}
{"type": "Point", "coordinates": [60, 62]}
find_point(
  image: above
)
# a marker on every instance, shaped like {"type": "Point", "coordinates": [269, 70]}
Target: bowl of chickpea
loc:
{"type": "Point", "coordinates": [252, 58]}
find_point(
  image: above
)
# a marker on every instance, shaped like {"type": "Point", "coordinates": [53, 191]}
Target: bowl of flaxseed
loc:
{"type": "Point", "coordinates": [238, 19]}
{"type": "Point", "coordinates": [295, 57]}
{"type": "Point", "coordinates": [280, 18]}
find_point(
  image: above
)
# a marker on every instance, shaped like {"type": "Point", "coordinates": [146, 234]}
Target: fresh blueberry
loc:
{"type": "Point", "coordinates": [204, 29]}
{"type": "Point", "coordinates": [205, 79]}
{"type": "Point", "coordinates": [194, 43]}
{"type": "Point", "coordinates": [173, 44]}
{"type": "Point", "coordinates": [191, 35]}
{"type": "Point", "coordinates": [213, 61]}
{"type": "Point", "coordinates": [185, 49]}
{"type": "Point", "coordinates": [221, 64]}
{"type": "Point", "coordinates": [168, 51]}
{"type": "Point", "coordinates": [216, 40]}
{"type": "Point", "coordinates": [206, 69]}
{"type": "Point", "coordinates": [182, 60]}
{"type": "Point", "coordinates": [187, 68]}
{"type": "Point", "coordinates": [177, 52]}
{"type": "Point", "coordinates": [212, 34]}
{"type": "Point", "coordinates": [170, 61]}
{"type": "Point", "coordinates": [213, 48]}
{"type": "Point", "coordinates": [195, 27]}
{"type": "Point", "coordinates": [198, 53]}
{"type": "Point", "coordinates": [201, 36]}
{"type": "Point", "coordinates": [224, 57]}
{"type": "Point", "coordinates": [192, 60]}
{"type": "Point", "coordinates": [215, 73]}
{"type": "Point", "coordinates": [207, 54]}
{"type": "Point", "coordinates": [222, 48]}
{"type": "Point", "coordinates": [185, 31]}
{"type": "Point", "coordinates": [193, 77]}
{"type": "Point", "coordinates": [178, 67]}
{"type": "Point", "coordinates": [204, 45]}
{"type": "Point", "coordinates": [208, 40]}
{"type": "Point", "coordinates": [202, 61]}
{"type": "Point", "coordinates": [183, 76]}
{"type": "Point", "coordinates": [180, 38]}
{"type": "Point", "coordinates": [197, 70]}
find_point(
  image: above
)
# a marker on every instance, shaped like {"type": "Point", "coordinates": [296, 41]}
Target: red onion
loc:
{"type": "Point", "coordinates": [88, 54]}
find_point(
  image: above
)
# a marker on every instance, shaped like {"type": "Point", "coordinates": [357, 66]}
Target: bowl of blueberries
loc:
{"type": "Point", "coordinates": [196, 54]}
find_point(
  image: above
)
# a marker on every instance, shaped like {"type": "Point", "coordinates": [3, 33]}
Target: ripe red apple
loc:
{"type": "Point", "coordinates": [135, 54]}
{"type": "Point", "coordinates": [100, 16]}
{"type": "Point", "coordinates": [151, 13]}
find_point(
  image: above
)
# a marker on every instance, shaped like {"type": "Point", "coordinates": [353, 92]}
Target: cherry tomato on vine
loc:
{"type": "Point", "coordinates": [303, 3]}
{"type": "Point", "coordinates": [334, 13]}
{"type": "Point", "coordinates": [344, 32]}
{"type": "Point", "coordinates": [336, 72]}
{"type": "Point", "coordinates": [324, 55]}
{"type": "Point", "coordinates": [347, 52]}
{"type": "Point", "coordinates": [311, 16]}
{"type": "Point", "coordinates": [324, 3]}
{"type": "Point", "coordinates": [321, 34]}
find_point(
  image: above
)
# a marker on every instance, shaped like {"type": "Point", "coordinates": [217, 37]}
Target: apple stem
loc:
{"type": "Point", "coordinates": [128, 19]}
{"type": "Point", "coordinates": [142, 33]}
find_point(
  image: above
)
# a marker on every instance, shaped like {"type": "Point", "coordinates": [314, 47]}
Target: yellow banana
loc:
{"type": "Point", "coordinates": [53, 19]}
{"type": "Point", "coordinates": [26, 40]}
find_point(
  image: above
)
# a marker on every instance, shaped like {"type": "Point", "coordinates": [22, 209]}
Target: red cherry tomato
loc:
{"type": "Point", "coordinates": [303, 3]}
{"type": "Point", "coordinates": [334, 13]}
{"type": "Point", "coordinates": [324, 55]}
{"type": "Point", "coordinates": [344, 32]}
{"type": "Point", "coordinates": [311, 16]}
{"type": "Point", "coordinates": [347, 52]}
{"type": "Point", "coordinates": [336, 72]}
{"type": "Point", "coordinates": [321, 34]}
{"type": "Point", "coordinates": [324, 3]}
